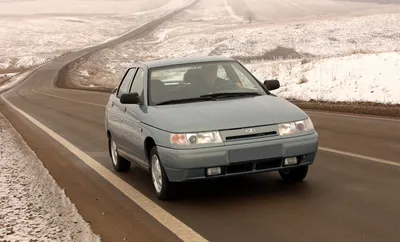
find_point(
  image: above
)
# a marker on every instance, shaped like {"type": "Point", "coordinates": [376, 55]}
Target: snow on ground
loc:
{"type": "Point", "coordinates": [56, 7]}
{"type": "Point", "coordinates": [32, 206]}
{"type": "Point", "coordinates": [320, 38]}
{"type": "Point", "coordinates": [10, 74]}
{"type": "Point", "coordinates": [106, 67]}
{"type": "Point", "coordinates": [293, 10]}
{"type": "Point", "coordinates": [5, 77]}
{"type": "Point", "coordinates": [209, 29]}
{"type": "Point", "coordinates": [359, 77]}
{"type": "Point", "coordinates": [32, 32]}
{"type": "Point", "coordinates": [15, 80]}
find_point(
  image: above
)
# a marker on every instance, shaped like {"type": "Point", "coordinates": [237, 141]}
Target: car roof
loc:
{"type": "Point", "coordinates": [184, 60]}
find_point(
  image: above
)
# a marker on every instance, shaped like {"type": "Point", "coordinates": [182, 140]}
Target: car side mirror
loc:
{"type": "Point", "coordinates": [130, 98]}
{"type": "Point", "coordinates": [272, 84]}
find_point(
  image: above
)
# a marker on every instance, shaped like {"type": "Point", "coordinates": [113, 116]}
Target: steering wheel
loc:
{"type": "Point", "coordinates": [229, 85]}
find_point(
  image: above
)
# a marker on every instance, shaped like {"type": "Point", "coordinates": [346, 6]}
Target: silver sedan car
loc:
{"type": "Point", "coordinates": [205, 117]}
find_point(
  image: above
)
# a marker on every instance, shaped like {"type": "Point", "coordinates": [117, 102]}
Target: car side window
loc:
{"type": "Point", "coordinates": [126, 82]}
{"type": "Point", "coordinates": [221, 73]}
{"type": "Point", "coordinates": [244, 80]}
{"type": "Point", "coordinates": [138, 83]}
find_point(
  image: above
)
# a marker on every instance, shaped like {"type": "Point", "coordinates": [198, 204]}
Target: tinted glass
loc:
{"type": "Point", "coordinates": [138, 82]}
{"type": "Point", "coordinates": [126, 82]}
{"type": "Point", "coordinates": [221, 73]}
{"type": "Point", "coordinates": [195, 80]}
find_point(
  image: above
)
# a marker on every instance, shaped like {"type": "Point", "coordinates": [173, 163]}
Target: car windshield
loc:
{"type": "Point", "coordinates": [199, 81]}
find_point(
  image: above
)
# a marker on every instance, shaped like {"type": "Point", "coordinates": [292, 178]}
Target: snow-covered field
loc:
{"type": "Point", "coordinates": [355, 78]}
{"type": "Point", "coordinates": [32, 32]}
{"type": "Point", "coordinates": [321, 51]}
{"type": "Point", "coordinates": [347, 53]}
{"type": "Point", "coordinates": [32, 206]}
{"type": "Point", "coordinates": [293, 10]}
{"type": "Point", "coordinates": [323, 38]}
{"type": "Point", "coordinates": [106, 67]}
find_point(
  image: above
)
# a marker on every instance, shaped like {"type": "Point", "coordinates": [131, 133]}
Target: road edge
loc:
{"type": "Point", "coordinates": [363, 108]}
{"type": "Point", "coordinates": [43, 188]}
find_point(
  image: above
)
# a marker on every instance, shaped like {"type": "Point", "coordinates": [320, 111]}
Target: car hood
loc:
{"type": "Point", "coordinates": [223, 114]}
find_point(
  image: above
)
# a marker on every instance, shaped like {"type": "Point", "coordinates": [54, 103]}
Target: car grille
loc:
{"type": "Point", "coordinates": [249, 133]}
{"type": "Point", "coordinates": [253, 166]}
{"type": "Point", "coordinates": [259, 135]}
{"type": "Point", "coordinates": [270, 164]}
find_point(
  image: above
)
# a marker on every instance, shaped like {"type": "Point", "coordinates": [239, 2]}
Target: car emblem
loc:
{"type": "Point", "coordinates": [250, 130]}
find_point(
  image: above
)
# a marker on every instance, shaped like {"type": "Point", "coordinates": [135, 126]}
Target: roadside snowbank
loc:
{"type": "Point", "coordinates": [15, 80]}
{"type": "Point", "coordinates": [5, 77]}
{"type": "Point", "coordinates": [355, 78]}
{"type": "Point", "coordinates": [32, 206]}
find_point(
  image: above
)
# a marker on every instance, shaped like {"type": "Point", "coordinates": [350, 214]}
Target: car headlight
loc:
{"type": "Point", "coordinates": [196, 138]}
{"type": "Point", "coordinates": [295, 127]}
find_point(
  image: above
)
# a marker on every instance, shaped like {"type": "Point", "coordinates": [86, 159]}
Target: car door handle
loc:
{"type": "Point", "coordinates": [112, 104]}
{"type": "Point", "coordinates": [124, 109]}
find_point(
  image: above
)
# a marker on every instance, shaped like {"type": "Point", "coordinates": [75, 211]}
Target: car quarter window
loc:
{"type": "Point", "coordinates": [221, 73]}
{"type": "Point", "coordinates": [243, 78]}
{"type": "Point", "coordinates": [138, 82]}
{"type": "Point", "coordinates": [126, 82]}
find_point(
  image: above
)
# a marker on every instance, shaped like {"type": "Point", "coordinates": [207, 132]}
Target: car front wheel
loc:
{"type": "Point", "coordinates": [294, 174]}
{"type": "Point", "coordinates": [120, 164]}
{"type": "Point", "coordinates": [162, 185]}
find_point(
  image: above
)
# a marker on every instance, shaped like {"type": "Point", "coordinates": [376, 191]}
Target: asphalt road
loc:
{"type": "Point", "coordinates": [344, 198]}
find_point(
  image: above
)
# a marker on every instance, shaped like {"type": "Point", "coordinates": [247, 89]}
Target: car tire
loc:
{"type": "Point", "coordinates": [162, 186]}
{"type": "Point", "coordinates": [295, 174]}
{"type": "Point", "coordinates": [120, 164]}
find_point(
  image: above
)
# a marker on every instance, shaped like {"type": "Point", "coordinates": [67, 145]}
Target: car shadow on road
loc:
{"type": "Point", "coordinates": [242, 187]}
{"type": "Point", "coordinates": [261, 185]}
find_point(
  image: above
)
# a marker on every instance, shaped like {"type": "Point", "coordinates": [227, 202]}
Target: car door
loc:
{"type": "Point", "coordinates": [116, 109]}
{"type": "Point", "coordinates": [131, 127]}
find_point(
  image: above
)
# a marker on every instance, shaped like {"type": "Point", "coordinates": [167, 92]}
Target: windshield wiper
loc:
{"type": "Point", "coordinates": [231, 94]}
{"type": "Point", "coordinates": [187, 100]}
{"type": "Point", "coordinates": [209, 97]}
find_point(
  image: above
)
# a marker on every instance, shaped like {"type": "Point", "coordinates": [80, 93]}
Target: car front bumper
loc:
{"type": "Point", "coordinates": [238, 159]}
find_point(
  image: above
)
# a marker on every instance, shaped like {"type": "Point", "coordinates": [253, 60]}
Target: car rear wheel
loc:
{"type": "Point", "coordinates": [162, 185]}
{"type": "Point", "coordinates": [120, 164]}
{"type": "Point", "coordinates": [294, 174]}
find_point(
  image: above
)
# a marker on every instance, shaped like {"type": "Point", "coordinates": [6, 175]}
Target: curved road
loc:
{"type": "Point", "coordinates": [351, 193]}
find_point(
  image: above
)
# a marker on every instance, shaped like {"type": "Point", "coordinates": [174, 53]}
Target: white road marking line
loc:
{"type": "Point", "coordinates": [68, 99]}
{"type": "Point", "coordinates": [353, 115]}
{"type": "Point", "coordinates": [177, 227]}
{"type": "Point", "coordinates": [387, 162]}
